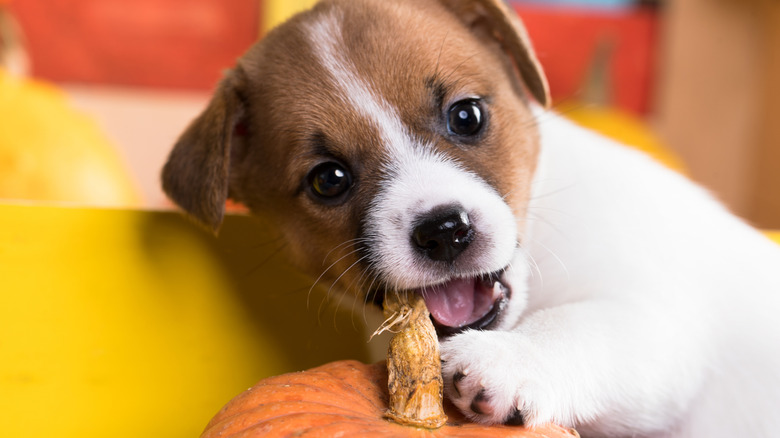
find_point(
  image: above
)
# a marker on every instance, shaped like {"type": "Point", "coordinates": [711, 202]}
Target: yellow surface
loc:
{"type": "Point", "coordinates": [49, 151]}
{"type": "Point", "coordinates": [131, 324]}
{"type": "Point", "coordinates": [277, 11]}
{"type": "Point", "coordinates": [774, 235]}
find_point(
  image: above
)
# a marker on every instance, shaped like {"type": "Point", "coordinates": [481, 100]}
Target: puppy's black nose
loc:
{"type": "Point", "coordinates": [443, 234]}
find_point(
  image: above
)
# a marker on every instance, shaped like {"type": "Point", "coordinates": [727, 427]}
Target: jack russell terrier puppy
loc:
{"type": "Point", "coordinates": [571, 279]}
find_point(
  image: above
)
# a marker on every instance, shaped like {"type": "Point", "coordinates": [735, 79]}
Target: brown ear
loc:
{"type": "Point", "coordinates": [196, 174]}
{"type": "Point", "coordinates": [495, 20]}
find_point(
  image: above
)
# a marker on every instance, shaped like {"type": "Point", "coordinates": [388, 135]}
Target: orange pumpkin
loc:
{"type": "Point", "coordinates": [345, 399]}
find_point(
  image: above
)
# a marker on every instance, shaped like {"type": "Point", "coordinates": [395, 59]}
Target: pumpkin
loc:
{"type": "Point", "coordinates": [402, 397]}
{"type": "Point", "coordinates": [346, 399]}
{"type": "Point", "coordinates": [50, 151]}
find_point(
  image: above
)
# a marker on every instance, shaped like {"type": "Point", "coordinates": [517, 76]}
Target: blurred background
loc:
{"type": "Point", "coordinates": [120, 318]}
{"type": "Point", "coordinates": [699, 75]}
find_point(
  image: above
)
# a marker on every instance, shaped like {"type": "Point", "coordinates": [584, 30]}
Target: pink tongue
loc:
{"type": "Point", "coordinates": [452, 304]}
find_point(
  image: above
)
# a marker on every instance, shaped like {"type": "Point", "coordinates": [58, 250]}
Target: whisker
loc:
{"type": "Point", "coordinates": [438, 58]}
{"type": "Point", "coordinates": [325, 271]}
{"type": "Point", "coordinates": [359, 293]}
{"type": "Point", "coordinates": [455, 70]}
{"type": "Point", "coordinates": [530, 261]}
{"type": "Point", "coordinates": [534, 217]}
{"type": "Point", "coordinates": [330, 289]}
{"type": "Point", "coordinates": [553, 254]}
{"type": "Point", "coordinates": [553, 192]}
{"type": "Point", "coordinates": [371, 292]}
{"type": "Point", "coordinates": [273, 254]}
{"type": "Point", "coordinates": [373, 274]}
{"type": "Point", "coordinates": [341, 245]}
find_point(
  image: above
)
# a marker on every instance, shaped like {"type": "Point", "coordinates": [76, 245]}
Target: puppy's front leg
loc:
{"type": "Point", "coordinates": [602, 365]}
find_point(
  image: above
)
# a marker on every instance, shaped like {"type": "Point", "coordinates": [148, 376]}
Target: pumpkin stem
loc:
{"type": "Point", "coordinates": [413, 364]}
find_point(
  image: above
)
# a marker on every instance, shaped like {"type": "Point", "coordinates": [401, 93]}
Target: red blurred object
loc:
{"type": "Point", "coordinates": [188, 43]}
{"type": "Point", "coordinates": [567, 39]}
{"type": "Point", "coordinates": [160, 43]}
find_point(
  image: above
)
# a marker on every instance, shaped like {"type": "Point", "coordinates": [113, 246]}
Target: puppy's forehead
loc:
{"type": "Point", "coordinates": [382, 62]}
{"type": "Point", "coordinates": [326, 38]}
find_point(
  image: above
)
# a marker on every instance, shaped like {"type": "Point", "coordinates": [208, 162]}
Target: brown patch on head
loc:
{"type": "Point", "coordinates": [281, 112]}
{"type": "Point", "coordinates": [299, 118]}
{"type": "Point", "coordinates": [432, 54]}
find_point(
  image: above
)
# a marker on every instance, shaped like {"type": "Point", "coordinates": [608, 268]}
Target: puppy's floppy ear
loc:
{"type": "Point", "coordinates": [495, 20]}
{"type": "Point", "coordinates": [197, 172]}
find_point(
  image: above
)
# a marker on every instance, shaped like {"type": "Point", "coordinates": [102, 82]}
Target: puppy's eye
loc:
{"type": "Point", "coordinates": [329, 180]}
{"type": "Point", "coordinates": [465, 118]}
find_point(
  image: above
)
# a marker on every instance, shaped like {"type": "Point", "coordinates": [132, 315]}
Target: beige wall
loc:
{"type": "Point", "coordinates": [144, 124]}
{"type": "Point", "coordinates": [718, 102]}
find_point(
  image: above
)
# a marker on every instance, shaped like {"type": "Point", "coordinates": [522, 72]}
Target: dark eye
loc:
{"type": "Point", "coordinates": [465, 118]}
{"type": "Point", "coordinates": [329, 180]}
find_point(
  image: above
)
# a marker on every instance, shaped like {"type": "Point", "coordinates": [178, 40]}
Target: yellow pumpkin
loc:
{"type": "Point", "coordinates": [50, 151]}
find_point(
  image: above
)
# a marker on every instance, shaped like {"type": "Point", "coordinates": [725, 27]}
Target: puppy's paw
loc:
{"type": "Point", "coordinates": [498, 377]}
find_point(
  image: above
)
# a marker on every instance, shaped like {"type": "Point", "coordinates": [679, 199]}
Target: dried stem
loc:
{"type": "Point", "coordinates": [413, 364]}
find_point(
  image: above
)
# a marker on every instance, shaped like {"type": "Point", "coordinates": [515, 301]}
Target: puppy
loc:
{"type": "Point", "coordinates": [571, 280]}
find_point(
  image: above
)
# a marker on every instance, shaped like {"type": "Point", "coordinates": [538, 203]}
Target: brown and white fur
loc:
{"type": "Point", "coordinates": [405, 144]}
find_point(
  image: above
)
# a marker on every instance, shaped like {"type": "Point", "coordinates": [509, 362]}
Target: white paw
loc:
{"type": "Point", "coordinates": [498, 377]}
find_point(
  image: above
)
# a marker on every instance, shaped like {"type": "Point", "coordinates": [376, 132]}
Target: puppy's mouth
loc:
{"type": "Point", "coordinates": [466, 303]}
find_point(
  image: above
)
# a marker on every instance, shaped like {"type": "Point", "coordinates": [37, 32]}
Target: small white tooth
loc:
{"type": "Point", "coordinates": [497, 290]}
